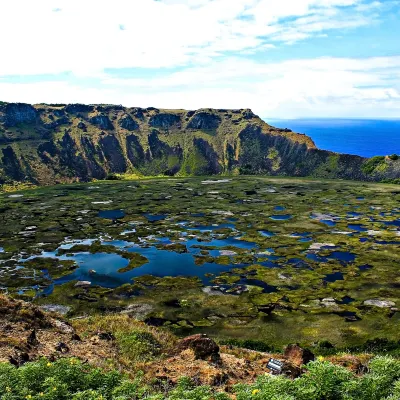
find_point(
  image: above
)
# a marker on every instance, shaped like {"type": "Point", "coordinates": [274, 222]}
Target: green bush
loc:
{"type": "Point", "coordinates": [395, 181]}
{"type": "Point", "coordinates": [186, 390]}
{"type": "Point", "coordinates": [374, 163]}
{"type": "Point", "coordinates": [394, 157]}
{"type": "Point", "coordinates": [267, 387]}
{"type": "Point", "coordinates": [68, 379]}
{"type": "Point", "coordinates": [377, 346]}
{"type": "Point", "coordinates": [138, 346]}
{"type": "Point", "coordinates": [64, 379]}
{"type": "Point", "coordinates": [113, 177]}
{"type": "Point", "coordinates": [379, 383]}
{"type": "Point", "coordinates": [325, 381]}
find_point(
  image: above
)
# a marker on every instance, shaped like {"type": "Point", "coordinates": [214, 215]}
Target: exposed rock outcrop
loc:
{"type": "Point", "coordinates": [164, 120]}
{"type": "Point", "coordinates": [17, 113]}
{"type": "Point", "coordinates": [128, 123]}
{"type": "Point", "coordinates": [78, 108]}
{"type": "Point", "coordinates": [204, 120]}
{"type": "Point", "coordinates": [298, 356]}
{"type": "Point", "coordinates": [202, 346]}
{"type": "Point", "coordinates": [102, 121]}
{"type": "Point", "coordinates": [379, 303]}
{"type": "Point", "coordinates": [81, 125]}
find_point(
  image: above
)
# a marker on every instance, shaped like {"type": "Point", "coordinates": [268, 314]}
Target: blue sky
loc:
{"type": "Point", "coordinates": [281, 58]}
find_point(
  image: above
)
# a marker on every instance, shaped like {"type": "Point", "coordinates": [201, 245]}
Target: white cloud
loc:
{"type": "Point", "coordinates": [53, 36]}
{"type": "Point", "coordinates": [297, 88]}
{"type": "Point", "coordinates": [213, 44]}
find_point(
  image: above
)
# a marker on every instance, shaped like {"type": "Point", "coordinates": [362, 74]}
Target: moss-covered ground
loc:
{"type": "Point", "coordinates": [272, 259]}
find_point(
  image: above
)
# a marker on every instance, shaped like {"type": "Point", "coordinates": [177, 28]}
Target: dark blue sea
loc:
{"type": "Point", "coordinates": [352, 136]}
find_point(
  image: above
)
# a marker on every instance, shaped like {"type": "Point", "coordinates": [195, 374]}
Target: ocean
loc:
{"type": "Point", "coordinates": [363, 137]}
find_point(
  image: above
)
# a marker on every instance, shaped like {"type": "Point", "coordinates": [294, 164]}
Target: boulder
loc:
{"type": "Point", "coordinates": [20, 358]}
{"type": "Point", "coordinates": [267, 308]}
{"type": "Point", "coordinates": [32, 340]}
{"type": "Point", "coordinates": [138, 311]}
{"type": "Point", "coordinates": [298, 356]}
{"type": "Point", "coordinates": [76, 337]}
{"type": "Point", "coordinates": [379, 303]}
{"type": "Point", "coordinates": [329, 303]}
{"type": "Point", "coordinates": [62, 326]}
{"type": "Point", "coordinates": [320, 246]}
{"type": "Point", "coordinates": [291, 371]}
{"type": "Point", "coordinates": [351, 318]}
{"type": "Point", "coordinates": [62, 347]}
{"type": "Point", "coordinates": [83, 284]}
{"type": "Point", "coordinates": [202, 346]}
{"type": "Point", "coordinates": [56, 308]}
{"type": "Point", "coordinates": [212, 290]}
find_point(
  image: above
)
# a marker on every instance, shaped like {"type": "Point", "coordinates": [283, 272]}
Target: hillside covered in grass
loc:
{"type": "Point", "coordinates": [46, 356]}
{"type": "Point", "coordinates": [47, 144]}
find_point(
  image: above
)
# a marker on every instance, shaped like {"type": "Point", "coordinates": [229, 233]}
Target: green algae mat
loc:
{"type": "Point", "coordinates": [271, 259]}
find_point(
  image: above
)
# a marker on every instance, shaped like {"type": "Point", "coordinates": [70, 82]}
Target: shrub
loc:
{"type": "Point", "coordinates": [378, 383]}
{"type": "Point", "coordinates": [396, 391]}
{"type": "Point", "coordinates": [68, 379]}
{"type": "Point", "coordinates": [138, 346]}
{"type": "Point", "coordinates": [324, 347]}
{"type": "Point", "coordinates": [377, 162]}
{"type": "Point", "coordinates": [267, 387]}
{"type": "Point", "coordinates": [377, 346]}
{"type": "Point", "coordinates": [63, 379]}
{"type": "Point", "coordinates": [130, 389]}
{"type": "Point", "coordinates": [186, 390]}
{"type": "Point", "coordinates": [395, 181]}
{"type": "Point", "coordinates": [257, 345]}
{"type": "Point", "coordinates": [113, 177]}
{"type": "Point", "coordinates": [394, 157]}
{"type": "Point", "coordinates": [325, 381]}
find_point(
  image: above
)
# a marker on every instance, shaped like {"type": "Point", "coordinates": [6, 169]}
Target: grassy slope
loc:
{"type": "Point", "coordinates": [129, 360]}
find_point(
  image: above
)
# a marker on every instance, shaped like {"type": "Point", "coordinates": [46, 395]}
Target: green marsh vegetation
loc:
{"type": "Point", "coordinates": [246, 258]}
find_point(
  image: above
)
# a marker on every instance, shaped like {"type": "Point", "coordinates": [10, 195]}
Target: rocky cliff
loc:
{"type": "Point", "coordinates": [47, 144]}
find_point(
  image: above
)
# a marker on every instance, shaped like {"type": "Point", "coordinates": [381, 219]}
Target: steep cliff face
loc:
{"type": "Point", "coordinates": [47, 144]}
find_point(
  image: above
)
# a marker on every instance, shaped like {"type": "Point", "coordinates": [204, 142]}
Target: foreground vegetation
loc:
{"type": "Point", "coordinates": [118, 357]}
{"type": "Point", "coordinates": [72, 379]}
